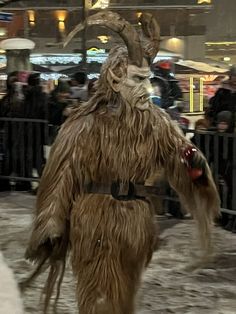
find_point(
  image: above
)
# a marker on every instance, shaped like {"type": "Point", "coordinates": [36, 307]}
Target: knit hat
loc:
{"type": "Point", "coordinates": [224, 116]}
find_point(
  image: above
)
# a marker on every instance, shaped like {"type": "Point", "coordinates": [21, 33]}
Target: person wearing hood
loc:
{"type": "Point", "coordinates": [168, 84]}
{"type": "Point", "coordinates": [224, 99]}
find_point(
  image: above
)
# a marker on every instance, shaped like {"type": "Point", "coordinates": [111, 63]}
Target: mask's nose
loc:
{"type": "Point", "coordinates": [147, 86]}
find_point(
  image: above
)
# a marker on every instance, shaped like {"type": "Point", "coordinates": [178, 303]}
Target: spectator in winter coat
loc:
{"type": "Point", "coordinates": [224, 99]}
{"type": "Point", "coordinates": [168, 84]}
{"type": "Point", "coordinates": [58, 102]}
{"type": "Point", "coordinates": [36, 107]}
{"type": "Point", "coordinates": [36, 100]}
{"type": "Point", "coordinates": [12, 133]}
{"type": "Point", "coordinates": [11, 105]}
{"type": "Point", "coordinates": [225, 167]}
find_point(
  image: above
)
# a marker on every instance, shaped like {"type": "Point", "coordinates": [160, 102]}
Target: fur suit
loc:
{"type": "Point", "coordinates": [117, 136]}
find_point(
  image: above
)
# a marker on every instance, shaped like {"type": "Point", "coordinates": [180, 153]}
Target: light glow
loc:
{"type": "Point", "coordinates": [31, 15]}
{"type": "Point", "coordinates": [61, 16]}
{"type": "Point", "coordinates": [201, 94]}
{"type": "Point", "coordinates": [204, 1]}
{"type": "Point", "coordinates": [191, 109]}
{"type": "Point", "coordinates": [219, 43]}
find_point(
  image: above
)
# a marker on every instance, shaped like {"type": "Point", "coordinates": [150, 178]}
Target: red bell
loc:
{"type": "Point", "coordinates": [195, 173]}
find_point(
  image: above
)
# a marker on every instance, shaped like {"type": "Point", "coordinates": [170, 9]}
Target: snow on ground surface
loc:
{"type": "Point", "coordinates": [167, 286]}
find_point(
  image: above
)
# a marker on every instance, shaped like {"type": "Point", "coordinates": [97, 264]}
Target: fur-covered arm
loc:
{"type": "Point", "coordinates": [189, 174]}
{"type": "Point", "coordinates": [188, 171]}
{"type": "Point", "coordinates": [56, 191]}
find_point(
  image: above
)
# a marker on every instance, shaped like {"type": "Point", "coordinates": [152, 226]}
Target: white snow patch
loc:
{"type": "Point", "coordinates": [10, 300]}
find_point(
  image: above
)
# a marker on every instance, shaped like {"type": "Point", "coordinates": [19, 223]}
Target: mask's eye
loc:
{"type": "Point", "coordinates": [139, 79]}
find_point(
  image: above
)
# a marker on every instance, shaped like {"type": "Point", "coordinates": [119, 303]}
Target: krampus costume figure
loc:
{"type": "Point", "coordinates": [92, 199]}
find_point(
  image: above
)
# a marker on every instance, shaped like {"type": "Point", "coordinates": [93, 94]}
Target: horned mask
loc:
{"type": "Point", "coordinates": [129, 72]}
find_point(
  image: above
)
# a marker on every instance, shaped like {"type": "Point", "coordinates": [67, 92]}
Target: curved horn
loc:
{"type": "Point", "coordinates": [151, 32]}
{"type": "Point", "coordinates": [119, 25]}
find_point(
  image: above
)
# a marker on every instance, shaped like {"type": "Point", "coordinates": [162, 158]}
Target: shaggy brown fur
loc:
{"type": "Point", "coordinates": [111, 241]}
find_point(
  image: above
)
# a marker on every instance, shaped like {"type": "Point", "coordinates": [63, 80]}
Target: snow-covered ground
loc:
{"type": "Point", "coordinates": [10, 300]}
{"type": "Point", "coordinates": [167, 286]}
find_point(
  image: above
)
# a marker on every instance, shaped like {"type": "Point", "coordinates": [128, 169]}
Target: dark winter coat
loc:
{"type": "Point", "coordinates": [224, 100]}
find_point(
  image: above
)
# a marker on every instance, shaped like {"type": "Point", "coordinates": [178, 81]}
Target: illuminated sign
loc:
{"type": "Point", "coordinates": [97, 50]}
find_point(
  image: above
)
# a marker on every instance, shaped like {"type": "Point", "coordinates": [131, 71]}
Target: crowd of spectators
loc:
{"type": "Point", "coordinates": [33, 99]}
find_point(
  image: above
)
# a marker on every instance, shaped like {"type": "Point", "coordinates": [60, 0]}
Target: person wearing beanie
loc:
{"type": "Point", "coordinates": [224, 121]}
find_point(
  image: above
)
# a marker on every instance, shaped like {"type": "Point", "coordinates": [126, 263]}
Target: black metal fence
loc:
{"type": "Point", "coordinates": [22, 144]}
{"type": "Point", "coordinates": [220, 152]}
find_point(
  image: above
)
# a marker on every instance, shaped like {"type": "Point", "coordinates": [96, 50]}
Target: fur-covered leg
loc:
{"type": "Point", "coordinates": [111, 243]}
{"type": "Point", "coordinates": [110, 289]}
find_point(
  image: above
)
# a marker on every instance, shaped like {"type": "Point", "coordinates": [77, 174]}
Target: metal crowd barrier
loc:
{"type": "Point", "coordinates": [220, 152]}
{"type": "Point", "coordinates": [22, 144]}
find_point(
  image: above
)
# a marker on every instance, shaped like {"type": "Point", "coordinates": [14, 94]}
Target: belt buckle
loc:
{"type": "Point", "coordinates": [123, 191]}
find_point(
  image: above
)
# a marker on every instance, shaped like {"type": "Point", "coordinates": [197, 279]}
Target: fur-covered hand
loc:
{"type": "Point", "coordinates": [49, 248]}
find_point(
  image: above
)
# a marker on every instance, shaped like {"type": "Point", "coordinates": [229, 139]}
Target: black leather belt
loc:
{"type": "Point", "coordinates": [125, 191]}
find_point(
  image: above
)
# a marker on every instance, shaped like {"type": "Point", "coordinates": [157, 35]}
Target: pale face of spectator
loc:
{"type": "Point", "coordinates": [222, 127]}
